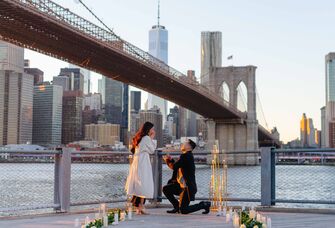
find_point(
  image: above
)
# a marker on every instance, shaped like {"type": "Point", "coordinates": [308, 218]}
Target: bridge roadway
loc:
{"type": "Point", "coordinates": [48, 28]}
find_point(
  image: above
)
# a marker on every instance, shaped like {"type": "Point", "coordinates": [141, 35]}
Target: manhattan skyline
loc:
{"type": "Point", "coordinates": [275, 38]}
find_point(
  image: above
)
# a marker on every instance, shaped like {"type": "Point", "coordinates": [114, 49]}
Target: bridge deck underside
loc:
{"type": "Point", "coordinates": [29, 28]}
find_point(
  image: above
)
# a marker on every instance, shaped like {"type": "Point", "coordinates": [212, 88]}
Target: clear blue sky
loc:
{"type": "Point", "coordinates": [287, 40]}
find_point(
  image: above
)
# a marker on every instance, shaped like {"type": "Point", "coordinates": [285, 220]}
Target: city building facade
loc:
{"type": "Point", "coordinates": [72, 116]}
{"type": "Point", "coordinates": [154, 116]}
{"type": "Point", "coordinates": [104, 133]}
{"type": "Point", "coordinates": [16, 97]}
{"type": "Point", "coordinates": [47, 115]}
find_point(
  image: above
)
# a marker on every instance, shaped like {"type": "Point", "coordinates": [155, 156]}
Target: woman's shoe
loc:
{"type": "Point", "coordinates": [143, 212]}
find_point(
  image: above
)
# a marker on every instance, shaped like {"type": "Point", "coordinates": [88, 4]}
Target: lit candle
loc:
{"type": "Point", "coordinates": [122, 216]}
{"type": "Point", "coordinates": [76, 222]}
{"type": "Point", "coordinates": [228, 218]}
{"type": "Point", "coordinates": [258, 217]}
{"type": "Point", "coordinates": [224, 212]}
{"type": "Point", "coordinates": [87, 220]}
{"type": "Point", "coordinates": [268, 222]}
{"type": "Point", "coordinates": [105, 221]}
{"type": "Point", "coordinates": [116, 218]}
{"type": "Point", "coordinates": [263, 219]}
{"type": "Point", "coordinates": [130, 213]}
{"type": "Point", "coordinates": [252, 213]}
{"type": "Point", "coordinates": [97, 215]}
{"type": "Point", "coordinates": [236, 222]}
{"type": "Point", "coordinates": [243, 226]}
{"type": "Point", "coordinates": [103, 208]}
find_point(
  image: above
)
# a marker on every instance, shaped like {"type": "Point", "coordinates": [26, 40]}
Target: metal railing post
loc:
{"type": "Point", "coordinates": [157, 173]}
{"type": "Point", "coordinates": [268, 188]}
{"type": "Point", "coordinates": [62, 184]}
{"type": "Point", "coordinates": [56, 181]}
{"type": "Point", "coordinates": [273, 176]}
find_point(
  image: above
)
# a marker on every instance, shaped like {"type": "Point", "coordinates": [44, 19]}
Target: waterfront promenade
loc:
{"type": "Point", "coordinates": [158, 218]}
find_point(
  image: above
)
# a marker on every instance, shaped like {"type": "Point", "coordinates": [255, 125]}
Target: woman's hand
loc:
{"type": "Point", "coordinates": [152, 134]}
{"type": "Point", "coordinates": [167, 158]}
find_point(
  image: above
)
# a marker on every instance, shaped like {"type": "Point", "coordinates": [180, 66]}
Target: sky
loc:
{"type": "Point", "coordinates": [287, 41]}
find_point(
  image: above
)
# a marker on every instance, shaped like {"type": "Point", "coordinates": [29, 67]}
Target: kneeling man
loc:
{"type": "Point", "coordinates": [183, 182]}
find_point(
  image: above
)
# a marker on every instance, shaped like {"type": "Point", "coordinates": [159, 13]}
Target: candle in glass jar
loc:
{"type": "Point", "coordinates": [268, 222]}
{"type": "Point", "coordinates": [116, 218]}
{"type": "Point", "coordinates": [236, 222]}
{"type": "Point", "coordinates": [122, 216]}
{"type": "Point", "coordinates": [252, 213]}
{"type": "Point", "coordinates": [224, 212]}
{"type": "Point", "coordinates": [228, 218]}
{"type": "Point", "coordinates": [105, 221]}
{"type": "Point", "coordinates": [103, 208]}
{"type": "Point", "coordinates": [243, 226]}
{"type": "Point", "coordinates": [130, 213]}
{"type": "Point", "coordinates": [87, 220]}
{"type": "Point", "coordinates": [263, 219]}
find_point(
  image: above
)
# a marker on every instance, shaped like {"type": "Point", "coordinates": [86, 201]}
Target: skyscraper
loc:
{"type": "Point", "coordinates": [47, 118]}
{"type": "Point", "coordinates": [211, 54]}
{"type": "Point", "coordinates": [113, 101]}
{"type": "Point", "coordinates": [37, 73]}
{"type": "Point", "coordinates": [72, 116]}
{"type": "Point", "coordinates": [93, 101]}
{"type": "Point", "coordinates": [62, 81]}
{"type": "Point", "coordinates": [158, 47]}
{"type": "Point", "coordinates": [101, 88]}
{"type": "Point", "coordinates": [330, 100]}
{"type": "Point", "coordinates": [87, 78]}
{"type": "Point", "coordinates": [76, 78]}
{"type": "Point", "coordinates": [116, 104]}
{"type": "Point", "coordinates": [135, 101]}
{"type": "Point", "coordinates": [16, 97]}
{"type": "Point", "coordinates": [154, 116]}
{"type": "Point", "coordinates": [307, 132]}
{"type": "Point", "coordinates": [323, 127]}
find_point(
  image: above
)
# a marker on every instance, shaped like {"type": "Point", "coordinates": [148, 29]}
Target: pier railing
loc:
{"type": "Point", "coordinates": [60, 179]}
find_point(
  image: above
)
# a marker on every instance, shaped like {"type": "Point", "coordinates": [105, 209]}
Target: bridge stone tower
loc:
{"type": "Point", "coordinates": [235, 134]}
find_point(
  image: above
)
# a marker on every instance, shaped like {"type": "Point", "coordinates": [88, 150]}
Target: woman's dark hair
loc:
{"type": "Point", "coordinates": [143, 131]}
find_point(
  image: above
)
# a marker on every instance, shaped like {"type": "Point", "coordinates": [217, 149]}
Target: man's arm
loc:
{"type": "Point", "coordinates": [169, 161]}
{"type": "Point", "coordinates": [180, 163]}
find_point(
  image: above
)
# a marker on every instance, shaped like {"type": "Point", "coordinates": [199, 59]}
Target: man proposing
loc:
{"type": "Point", "coordinates": [183, 182]}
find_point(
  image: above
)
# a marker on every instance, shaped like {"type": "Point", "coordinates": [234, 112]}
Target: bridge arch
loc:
{"type": "Point", "coordinates": [224, 91]}
{"type": "Point", "coordinates": [242, 96]}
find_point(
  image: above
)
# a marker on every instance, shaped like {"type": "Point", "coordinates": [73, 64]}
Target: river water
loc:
{"type": "Point", "coordinates": [33, 184]}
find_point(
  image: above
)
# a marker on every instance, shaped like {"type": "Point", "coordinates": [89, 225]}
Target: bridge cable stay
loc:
{"type": "Point", "coordinates": [241, 94]}
{"type": "Point", "coordinates": [259, 107]}
{"type": "Point", "coordinates": [261, 110]}
{"type": "Point", "coordinates": [109, 29]}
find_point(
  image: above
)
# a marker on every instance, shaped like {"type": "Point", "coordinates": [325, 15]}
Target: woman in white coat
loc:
{"type": "Point", "coordinates": [140, 183]}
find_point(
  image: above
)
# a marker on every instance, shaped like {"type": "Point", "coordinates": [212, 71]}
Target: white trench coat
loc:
{"type": "Point", "coordinates": [140, 180]}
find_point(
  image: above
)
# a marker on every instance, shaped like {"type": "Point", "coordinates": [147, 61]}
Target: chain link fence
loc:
{"type": "Point", "coordinates": [98, 177]}
{"type": "Point", "coordinates": [26, 182]}
{"type": "Point", "coordinates": [303, 177]}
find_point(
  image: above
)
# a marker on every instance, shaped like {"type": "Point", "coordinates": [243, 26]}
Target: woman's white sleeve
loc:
{"type": "Point", "coordinates": [150, 144]}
